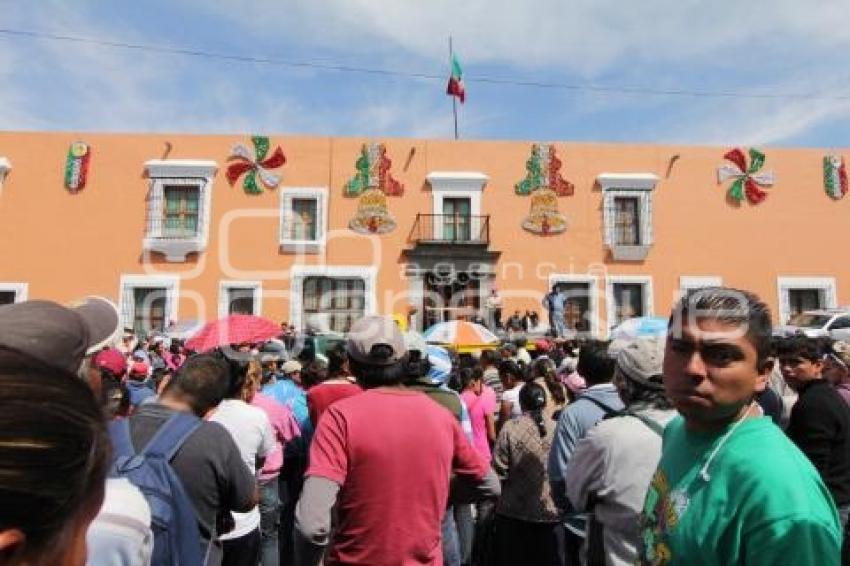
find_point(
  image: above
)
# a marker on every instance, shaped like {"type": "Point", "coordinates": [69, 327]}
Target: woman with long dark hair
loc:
{"type": "Point", "coordinates": [54, 456]}
{"type": "Point", "coordinates": [527, 526]}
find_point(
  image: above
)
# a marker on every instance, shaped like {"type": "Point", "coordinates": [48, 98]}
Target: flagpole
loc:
{"type": "Point", "coordinates": [454, 98]}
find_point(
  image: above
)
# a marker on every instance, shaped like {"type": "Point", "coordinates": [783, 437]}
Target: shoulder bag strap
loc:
{"type": "Point", "coordinates": [608, 410]}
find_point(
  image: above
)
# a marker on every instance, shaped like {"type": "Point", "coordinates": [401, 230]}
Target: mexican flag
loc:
{"type": "Point", "coordinates": [455, 86]}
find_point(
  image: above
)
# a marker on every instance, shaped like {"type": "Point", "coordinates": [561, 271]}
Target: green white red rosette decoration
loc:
{"type": "Point", "coordinates": [256, 163]}
{"type": "Point", "coordinates": [749, 179]}
{"type": "Point", "coordinates": [77, 166]}
{"type": "Point", "coordinates": [373, 172]}
{"type": "Point", "coordinates": [543, 170]}
{"type": "Point", "coordinates": [834, 176]}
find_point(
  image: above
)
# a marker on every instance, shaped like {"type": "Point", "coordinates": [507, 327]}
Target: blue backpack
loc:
{"type": "Point", "coordinates": [177, 540]}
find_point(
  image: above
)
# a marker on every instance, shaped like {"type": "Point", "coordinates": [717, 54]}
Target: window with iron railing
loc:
{"type": "Point", "coordinates": [178, 207]}
{"type": "Point", "coordinates": [451, 228]}
{"type": "Point", "coordinates": [343, 300]}
{"type": "Point", "coordinates": [626, 221]}
{"type": "Point", "coordinates": [180, 213]}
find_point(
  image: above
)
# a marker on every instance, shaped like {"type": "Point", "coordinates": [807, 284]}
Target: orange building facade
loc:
{"type": "Point", "coordinates": [184, 227]}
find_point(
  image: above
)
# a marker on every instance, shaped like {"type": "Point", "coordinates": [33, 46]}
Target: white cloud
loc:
{"type": "Point", "coordinates": [705, 46]}
{"type": "Point", "coordinates": [584, 36]}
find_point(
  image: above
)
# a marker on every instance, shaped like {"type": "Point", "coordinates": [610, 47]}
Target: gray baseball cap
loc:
{"type": "Point", "coordinates": [640, 361]}
{"type": "Point", "coordinates": [57, 335]}
{"type": "Point", "coordinates": [376, 340]}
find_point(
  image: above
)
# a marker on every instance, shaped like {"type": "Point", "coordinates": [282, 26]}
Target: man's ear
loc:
{"type": "Point", "coordinates": [764, 369]}
{"type": "Point", "coordinates": [11, 544]}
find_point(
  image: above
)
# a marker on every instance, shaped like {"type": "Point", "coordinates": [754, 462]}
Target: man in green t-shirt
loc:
{"type": "Point", "coordinates": [730, 488]}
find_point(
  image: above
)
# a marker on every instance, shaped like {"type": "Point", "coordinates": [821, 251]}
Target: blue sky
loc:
{"type": "Point", "coordinates": [758, 47]}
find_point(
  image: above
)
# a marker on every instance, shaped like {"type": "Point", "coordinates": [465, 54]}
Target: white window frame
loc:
{"type": "Point", "coordinates": [640, 186]}
{"type": "Point", "coordinates": [368, 273]}
{"type": "Point", "coordinates": [592, 282]}
{"type": "Point", "coordinates": [20, 289]}
{"type": "Point", "coordinates": [224, 288]}
{"type": "Point", "coordinates": [176, 172]}
{"type": "Point", "coordinates": [320, 195]}
{"type": "Point", "coordinates": [171, 283]}
{"type": "Point", "coordinates": [5, 167]}
{"type": "Point", "coordinates": [688, 282]}
{"type": "Point", "coordinates": [826, 285]}
{"type": "Point", "coordinates": [611, 301]}
{"type": "Point", "coordinates": [456, 184]}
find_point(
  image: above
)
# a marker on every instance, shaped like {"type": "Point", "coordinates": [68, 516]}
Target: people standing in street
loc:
{"type": "Point", "coordinates": [338, 385]}
{"type": "Point", "coordinates": [512, 381]}
{"type": "Point", "coordinates": [285, 429]}
{"type": "Point", "coordinates": [598, 400]}
{"type": "Point", "coordinates": [611, 468]}
{"type": "Point", "coordinates": [836, 369]}
{"type": "Point", "coordinates": [554, 303]}
{"type": "Point", "coordinates": [820, 420]}
{"type": "Point", "coordinates": [494, 309]}
{"type": "Point", "coordinates": [514, 325]}
{"type": "Point", "coordinates": [383, 459]}
{"type": "Point", "coordinates": [251, 430]}
{"type": "Point", "coordinates": [528, 529]}
{"type": "Point", "coordinates": [208, 462]}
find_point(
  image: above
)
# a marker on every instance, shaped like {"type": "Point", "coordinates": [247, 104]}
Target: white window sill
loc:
{"type": "Point", "coordinates": [630, 253]}
{"type": "Point", "coordinates": [175, 250]}
{"type": "Point", "coordinates": [302, 246]}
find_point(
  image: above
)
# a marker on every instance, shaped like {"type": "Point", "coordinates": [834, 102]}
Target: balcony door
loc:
{"type": "Point", "coordinates": [456, 218]}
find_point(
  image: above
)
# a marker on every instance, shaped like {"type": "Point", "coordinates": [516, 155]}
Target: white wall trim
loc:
{"type": "Point", "coordinates": [125, 297]}
{"type": "Point", "coordinates": [632, 181]}
{"type": "Point", "coordinates": [610, 299]}
{"type": "Point", "coordinates": [321, 195]}
{"type": "Point", "coordinates": [180, 168]}
{"type": "Point", "coordinates": [160, 172]}
{"type": "Point", "coordinates": [21, 289]}
{"type": "Point", "coordinates": [368, 273]}
{"type": "Point", "coordinates": [593, 283]}
{"type": "Point", "coordinates": [687, 282]}
{"type": "Point", "coordinates": [825, 284]}
{"type": "Point", "coordinates": [457, 180]}
{"type": "Point", "coordinates": [224, 287]}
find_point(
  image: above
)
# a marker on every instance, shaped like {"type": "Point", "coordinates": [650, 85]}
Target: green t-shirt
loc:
{"type": "Point", "coordinates": [760, 501]}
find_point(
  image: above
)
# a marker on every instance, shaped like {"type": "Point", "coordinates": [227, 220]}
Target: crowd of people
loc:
{"type": "Point", "coordinates": [714, 444]}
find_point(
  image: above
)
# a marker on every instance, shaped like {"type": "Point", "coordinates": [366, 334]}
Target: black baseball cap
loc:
{"type": "Point", "coordinates": [59, 336]}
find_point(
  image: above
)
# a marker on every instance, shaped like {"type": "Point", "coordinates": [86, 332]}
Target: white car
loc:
{"type": "Point", "coordinates": [834, 323]}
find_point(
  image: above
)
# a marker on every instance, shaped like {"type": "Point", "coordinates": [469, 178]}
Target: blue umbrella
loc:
{"type": "Point", "coordinates": [640, 326]}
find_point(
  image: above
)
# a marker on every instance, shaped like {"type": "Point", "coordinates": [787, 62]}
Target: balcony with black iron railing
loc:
{"type": "Point", "coordinates": [451, 229]}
